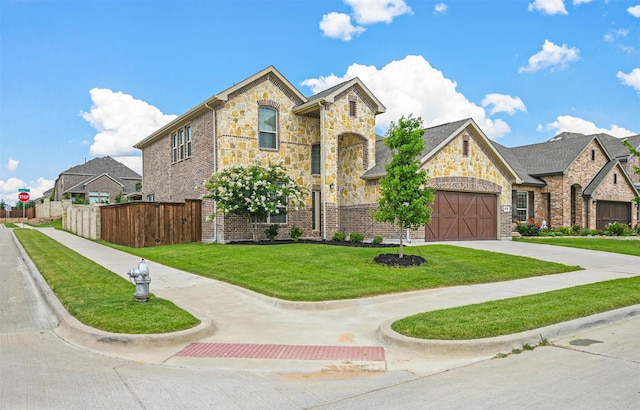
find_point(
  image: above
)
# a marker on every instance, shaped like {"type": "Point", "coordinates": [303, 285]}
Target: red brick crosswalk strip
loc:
{"type": "Point", "coordinates": [289, 352]}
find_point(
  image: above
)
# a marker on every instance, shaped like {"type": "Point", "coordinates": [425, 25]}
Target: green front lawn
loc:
{"type": "Point", "coordinates": [316, 272]}
{"type": "Point", "coordinates": [627, 247]}
{"type": "Point", "coordinates": [96, 296]}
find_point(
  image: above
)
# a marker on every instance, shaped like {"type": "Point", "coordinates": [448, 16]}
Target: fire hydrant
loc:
{"type": "Point", "coordinates": [140, 278]}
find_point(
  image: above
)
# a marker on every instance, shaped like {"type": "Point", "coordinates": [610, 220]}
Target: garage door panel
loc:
{"type": "Point", "coordinates": [462, 216]}
{"type": "Point", "coordinates": [611, 212]}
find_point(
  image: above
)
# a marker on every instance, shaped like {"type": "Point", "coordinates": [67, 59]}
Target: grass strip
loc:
{"type": "Point", "coordinates": [96, 296]}
{"type": "Point", "coordinates": [316, 272]}
{"type": "Point", "coordinates": [520, 314]}
{"type": "Point", "coordinates": [627, 247]}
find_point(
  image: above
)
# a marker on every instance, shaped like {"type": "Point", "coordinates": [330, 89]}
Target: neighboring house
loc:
{"type": "Point", "coordinates": [329, 146]}
{"type": "Point", "coordinates": [574, 179]}
{"type": "Point", "coordinates": [98, 180]}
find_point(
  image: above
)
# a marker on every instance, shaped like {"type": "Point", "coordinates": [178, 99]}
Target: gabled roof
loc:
{"type": "Point", "coordinates": [98, 167]}
{"type": "Point", "coordinates": [435, 139]}
{"type": "Point", "coordinates": [79, 187]}
{"type": "Point", "coordinates": [602, 174]}
{"type": "Point", "coordinates": [221, 98]}
{"type": "Point", "coordinates": [329, 96]}
{"type": "Point", "coordinates": [103, 165]}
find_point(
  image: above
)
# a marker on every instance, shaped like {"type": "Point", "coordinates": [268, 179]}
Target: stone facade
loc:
{"type": "Point", "coordinates": [226, 134]}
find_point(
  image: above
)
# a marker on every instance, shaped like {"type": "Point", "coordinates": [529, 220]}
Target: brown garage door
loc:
{"type": "Point", "coordinates": [459, 216]}
{"type": "Point", "coordinates": [609, 211]}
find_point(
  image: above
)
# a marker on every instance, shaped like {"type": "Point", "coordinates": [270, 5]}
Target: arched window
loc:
{"type": "Point", "coordinates": [268, 127]}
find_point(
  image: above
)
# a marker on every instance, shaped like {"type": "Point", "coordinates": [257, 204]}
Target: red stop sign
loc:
{"type": "Point", "coordinates": [23, 196]}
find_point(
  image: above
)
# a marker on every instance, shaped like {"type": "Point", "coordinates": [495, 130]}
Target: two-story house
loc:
{"type": "Point", "coordinates": [326, 142]}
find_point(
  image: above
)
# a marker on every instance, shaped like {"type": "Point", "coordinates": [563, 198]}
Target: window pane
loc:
{"type": "Point", "coordinates": [315, 159]}
{"type": "Point", "coordinates": [188, 141]}
{"type": "Point", "coordinates": [280, 218]}
{"type": "Point", "coordinates": [267, 140]}
{"type": "Point", "coordinates": [267, 119]}
{"type": "Point", "coordinates": [267, 127]}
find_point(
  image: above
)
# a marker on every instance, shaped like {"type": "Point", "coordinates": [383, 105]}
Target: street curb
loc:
{"type": "Point", "coordinates": [72, 330]}
{"type": "Point", "coordinates": [500, 344]}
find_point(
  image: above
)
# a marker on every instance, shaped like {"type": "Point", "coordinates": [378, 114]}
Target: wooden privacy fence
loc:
{"type": "Point", "coordinates": [141, 224]}
{"type": "Point", "coordinates": [29, 213]}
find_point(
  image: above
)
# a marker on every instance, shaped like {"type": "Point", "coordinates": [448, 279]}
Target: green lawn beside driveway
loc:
{"type": "Point", "coordinates": [317, 272]}
{"type": "Point", "coordinates": [605, 244]}
{"type": "Point", "coordinates": [508, 316]}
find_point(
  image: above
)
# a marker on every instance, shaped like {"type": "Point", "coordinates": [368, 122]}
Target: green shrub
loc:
{"type": "Point", "coordinates": [528, 229]}
{"type": "Point", "coordinates": [617, 229]}
{"type": "Point", "coordinates": [377, 240]}
{"type": "Point", "coordinates": [356, 237]}
{"type": "Point", "coordinates": [339, 236]}
{"type": "Point", "coordinates": [272, 231]}
{"type": "Point", "coordinates": [566, 231]}
{"type": "Point", "coordinates": [590, 232]}
{"type": "Point", "coordinates": [296, 232]}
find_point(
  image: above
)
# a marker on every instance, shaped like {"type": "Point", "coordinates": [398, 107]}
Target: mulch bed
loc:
{"type": "Point", "coordinates": [393, 259]}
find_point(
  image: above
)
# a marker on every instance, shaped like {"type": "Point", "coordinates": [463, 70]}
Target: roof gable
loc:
{"type": "Point", "coordinates": [602, 175]}
{"type": "Point", "coordinates": [331, 94]}
{"type": "Point", "coordinates": [222, 97]}
{"type": "Point", "coordinates": [435, 139]}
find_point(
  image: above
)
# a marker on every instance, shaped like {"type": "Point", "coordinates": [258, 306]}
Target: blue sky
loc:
{"type": "Point", "coordinates": [85, 79]}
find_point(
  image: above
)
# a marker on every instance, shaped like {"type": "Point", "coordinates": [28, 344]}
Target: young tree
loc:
{"type": "Point", "coordinates": [404, 199]}
{"type": "Point", "coordinates": [254, 192]}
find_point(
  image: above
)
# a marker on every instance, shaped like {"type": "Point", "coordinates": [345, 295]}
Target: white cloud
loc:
{"type": "Point", "coordinates": [121, 122]}
{"type": "Point", "coordinates": [574, 124]}
{"type": "Point", "coordinates": [578, 2]}
{"type": "Point", "coordinates": [338, 25]}
{"type": "Point", "coordinates": [551, 56]}
{"type": "Point", "coordinates": [632, 79]}
{"type": "Point", "coordinates": [12, 164]}
{"type": "Point", "coordinates": [503, 103]}
{"type": "Point", "coordinates": [615, 34]}
{"type": "Point", "coordinates": [377, 11]}
{"type": "Point", "coordinates": [548, 6]}
{"type": "Point", "coordinates": [133, 162]}
{"type": "Point", "coordinates": [634, 11]}
{"type": "Point", "coordinates": [9, 189]}
{"type": "Point", "coordinates": [413, 86]}
{"type": "Point", "coordinates": [440, 8]}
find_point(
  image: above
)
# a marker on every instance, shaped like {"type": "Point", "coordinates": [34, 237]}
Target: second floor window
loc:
{"type": "Point", "coordinates": [315, 159]}
{"type": "Point", "coordinates": [174, 147]}
{"type": "Point", "coordinates": [267, 127]}
{"type": "Point", "coordinates": [181, 144]}
{"type": "Point", "coordinates": [187, 131]}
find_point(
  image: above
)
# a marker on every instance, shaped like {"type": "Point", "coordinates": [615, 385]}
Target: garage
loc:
{"type": "Point", "coordinates": [610, 211]}
{"type": "Point", "coordinates": [460, 216]}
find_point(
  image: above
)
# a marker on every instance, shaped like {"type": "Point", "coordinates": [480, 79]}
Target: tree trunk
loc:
{"type": "Point", "coordinates": [400, 255]}
{"type": "Point", "coordinates": [252, 225]}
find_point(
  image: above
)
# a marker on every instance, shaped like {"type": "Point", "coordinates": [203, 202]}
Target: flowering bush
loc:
{"type": "Point", "coordinates": [254, 192]}
{"type": "Point", "coordinates": [528, 229]}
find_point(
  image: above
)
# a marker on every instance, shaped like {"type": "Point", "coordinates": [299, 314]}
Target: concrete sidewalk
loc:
{"type": "Point", "coordinates": [233, 315]}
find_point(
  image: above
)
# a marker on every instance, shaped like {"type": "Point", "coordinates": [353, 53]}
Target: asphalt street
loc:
{"type": "Point", "coordinates": [594, 368]}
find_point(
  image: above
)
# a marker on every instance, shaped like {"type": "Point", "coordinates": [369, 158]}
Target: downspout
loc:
{"type": "Point", "coordinates": [215, 166]}
{"type": "Point", "coordinates": [323, 173]}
